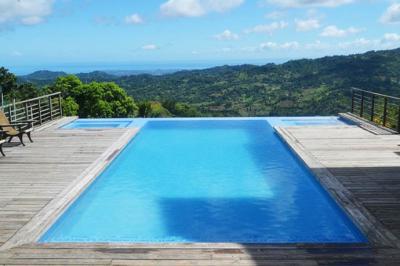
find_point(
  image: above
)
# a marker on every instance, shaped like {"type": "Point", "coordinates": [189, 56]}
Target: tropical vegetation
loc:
{"type": "Point", "coordinates": [299, 87]}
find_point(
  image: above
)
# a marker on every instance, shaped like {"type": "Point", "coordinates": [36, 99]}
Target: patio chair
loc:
{"type": "Point", "coordinates": [17, 129]}
{"type": "Point", "coordinates": [3, 138]}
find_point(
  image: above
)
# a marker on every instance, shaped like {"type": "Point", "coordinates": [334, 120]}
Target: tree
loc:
{"type": "Point", "coordinates": [70, 107]}
{"type": "Point", "coordinates": [67, 85]}
{"type": "Point", "coordinates": [105, 99]}
{"type": "Point", "coordinates": [144, 109]}
{"type": "Point", "coordinates": [12, 90]}
{"type": "Point", "coordinates": [23, 92]}
{"type": "Point", "coordinates": [153, 109]}
{"type": "Point", "coordinates": [95, 99]}
{"type": "Point", "coordinates": [180, 109]}
{"type": "Point", "coordinates": [8, 81]}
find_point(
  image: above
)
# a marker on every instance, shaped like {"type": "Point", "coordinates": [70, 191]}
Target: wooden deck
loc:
{"type": "Point", "coordinates": [366, 165]}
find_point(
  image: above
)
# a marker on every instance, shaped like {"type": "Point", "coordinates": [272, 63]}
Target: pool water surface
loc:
{"type": "Point", "coordinates": [188, 181]}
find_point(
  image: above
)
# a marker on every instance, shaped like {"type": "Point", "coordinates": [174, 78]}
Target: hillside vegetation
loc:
{"type": "Point", "coordinates": [298, 87]}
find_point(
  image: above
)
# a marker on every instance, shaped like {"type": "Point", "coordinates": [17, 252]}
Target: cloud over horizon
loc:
{"type": "Point", "coordinates": [25, 12]}
{"type": "Point", "coordinates": [392, 14]}
{"type": "Point", "coordinates": [308, 3]}
{"type": "Point", "coordinates": [197, 8]}
{"type": "Point", "coordinates": [134, 19]}
{"type": "Point", "coordinates": [226, 35]}
{"type": "Point", "coordinates": [335, 32]}
{"type": "Point", "coordinates": [268, 28]}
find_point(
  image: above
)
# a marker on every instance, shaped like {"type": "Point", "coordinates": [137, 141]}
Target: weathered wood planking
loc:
{"type": "Point", "coordinates": [365, 164]}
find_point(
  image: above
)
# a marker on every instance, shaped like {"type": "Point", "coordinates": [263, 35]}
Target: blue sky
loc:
{"type": "Point", "coordinates": [43, 33]}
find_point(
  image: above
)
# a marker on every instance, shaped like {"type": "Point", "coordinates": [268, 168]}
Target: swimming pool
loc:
{"type": "Point", "coordinates": [99, 123]}
{"type": "Point", "coordinates": [140, 122]}
{"type": "Point", "coordinates": [191, 181]}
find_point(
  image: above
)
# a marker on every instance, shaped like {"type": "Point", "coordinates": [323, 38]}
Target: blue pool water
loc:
{"type": "Point", "coordinates": [205, 181]}
{"type": "Point", "coordinates": [99, 123]}
{"type": "Point", "coordinates": [139, 122]}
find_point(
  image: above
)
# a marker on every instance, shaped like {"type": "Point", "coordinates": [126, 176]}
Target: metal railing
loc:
{"type": "Point", "coordinates": [381, 109]}
{"type": "Point", "coordinates": [41, 109]}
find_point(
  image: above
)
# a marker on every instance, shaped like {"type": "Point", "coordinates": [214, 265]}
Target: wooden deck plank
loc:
{"type": "Point", "coordinates": [365, 163]}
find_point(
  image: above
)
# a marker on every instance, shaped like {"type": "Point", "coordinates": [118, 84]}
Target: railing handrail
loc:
{"type": "Point", "coordinates": [377, 94]}
{"type": "Point", "coordinates": [33, 99]}
{"type": "Point", "coordinates": [359, 96]}
{"type": "Point", "coordinates": [40, 109]}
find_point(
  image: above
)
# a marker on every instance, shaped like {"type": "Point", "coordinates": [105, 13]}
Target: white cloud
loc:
{"type": "Point", "coordinates": [282, 46]}
{"type": "Point", "coordinates": [268, 28]}
{"type": "Point", "coordinates": [387, 41]}
{"type": "Point", "coordinates": [268, 45]}
{"type": "Point", "coordinates": [26, 12]}
{"type": "Point", "coordinates": [359, 44]}
{"type": "Point", "coordinates": [150, 47]}
{"type": "Point", "coordinates": [333, 31]}
{"type": "Point", "coordinates": [290, 45]}
{"type": "Point", "coordinates": [391, 37]}
{"type": "Point", "coordinates": [197, 8]}
{"type": "Point", "coordinates": [134, 19]}
{"type": "Point", "coordinates": [275, 15]}
{"type": "Point", "coordinates": [182, 8]}
{"type": "Point", "coordinates": [317, 45]}
{"type": "Point", "coordinates": [221, 5]}
{"type": "Point", "coordinates": [392, 14]}
{"type": "Point", "coordinates": [307, 25]}
{"type": "Point", "coordinates": [308, 3]}
{"type": "Point", "coordinates": [226, 35]}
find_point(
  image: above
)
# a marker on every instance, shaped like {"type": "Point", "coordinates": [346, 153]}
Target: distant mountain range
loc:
{"type": "Point", "coordinates": [41, 77]}
{"type": "Point", "coordinates": [299, 87]}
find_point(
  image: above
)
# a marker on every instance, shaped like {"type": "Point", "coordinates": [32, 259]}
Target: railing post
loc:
{"type": "Point", "coordinates": [352, 101]}
{"type": "Point", "coordinates": [398, 121]}
{"type": "Point", "coordinates": [26, 111]}
{"type": "Point", "coordinates": [40, 112]}
{"type": "Point", "coordinates": [385, 112]}
{"type": "Point", "coordinates": [51, 108]}
{"type": "Point", "coordinates": [372, 107]}
{"type": "Point", "coordinates": [362, 104]}
{"type": "Point", "coordinates": [15, 111]}
{"type": "Point", "coordinates": [10, 113]}
{"type": "Point", "coordinates": [60, 104]}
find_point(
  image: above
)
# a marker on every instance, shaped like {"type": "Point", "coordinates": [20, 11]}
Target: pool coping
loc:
{"type": "Point", "coordinates": [374, 231]}
{"type": "Point", "coordinates": [42, 221]}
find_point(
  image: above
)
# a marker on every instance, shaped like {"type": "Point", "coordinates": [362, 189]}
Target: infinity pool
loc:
{"type": "Point", "coordinates": [105, 123]}
{"type": "Point", "coordinates": [205, 181]}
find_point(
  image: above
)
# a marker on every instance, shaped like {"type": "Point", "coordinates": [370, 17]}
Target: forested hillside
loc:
{"type": "Point", "coordinates": [299, 87]}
